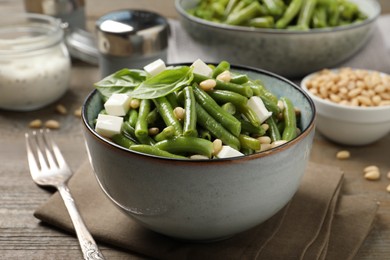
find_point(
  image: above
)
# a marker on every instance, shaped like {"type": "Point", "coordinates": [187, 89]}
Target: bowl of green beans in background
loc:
{"type": "Point", "coordinates": [290, 38]}
{"type": "Point", "coordinates": [179, 185]}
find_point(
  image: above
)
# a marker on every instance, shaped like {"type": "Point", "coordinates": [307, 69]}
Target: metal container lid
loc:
{"type": "Point", "coordinates": [127, 33]}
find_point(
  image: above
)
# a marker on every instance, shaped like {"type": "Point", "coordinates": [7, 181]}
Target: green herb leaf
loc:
{"type": "Point", "coordinates": [164, 83]}
{"type": "Point", "coordinates": [122, 81]}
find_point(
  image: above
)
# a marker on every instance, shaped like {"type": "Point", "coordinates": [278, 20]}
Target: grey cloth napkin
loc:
{"type": "Point", "coordinates": [318, 223]}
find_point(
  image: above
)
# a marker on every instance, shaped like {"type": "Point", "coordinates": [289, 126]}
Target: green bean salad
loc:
{"type": "Point", "coordinates": [280, 14]}
{"type": "Point", "coordinates": [200, 111]}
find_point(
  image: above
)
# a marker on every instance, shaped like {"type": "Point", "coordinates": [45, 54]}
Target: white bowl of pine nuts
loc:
{"type": "Point", "coordinates": [353, 105]}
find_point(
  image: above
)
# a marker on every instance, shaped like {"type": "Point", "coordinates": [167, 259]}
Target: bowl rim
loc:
{"type": "Point", "coordinates": [341, 106]}
{"type": "Point", "coordinates": [226, 27]}
{"type": "Point", "coordinates": [310, 127]}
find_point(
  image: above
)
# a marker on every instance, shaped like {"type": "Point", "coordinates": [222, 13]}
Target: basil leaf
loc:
{"type": "Point", "coordinates": [122, 81]}
{"type": "Point", "coordinates": [164, 83]}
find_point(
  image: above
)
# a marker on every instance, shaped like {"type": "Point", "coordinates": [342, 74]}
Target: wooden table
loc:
{"type": "Point", "coordinates": [24, 237]}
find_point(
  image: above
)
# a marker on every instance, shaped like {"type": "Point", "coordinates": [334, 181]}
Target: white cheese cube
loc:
{"type": "Point", "coordinates": [155, 67]}
{"type": "Point", "coordinates": [257, 105]}
{"type": "Point", "coordinates": [107, 125]}
{"type": "Point", "coordinates": [227, 152]}
{"type": "Point", "coordinates": [117, 104]}
{"type": "Point", "coordinates": [201, 68]}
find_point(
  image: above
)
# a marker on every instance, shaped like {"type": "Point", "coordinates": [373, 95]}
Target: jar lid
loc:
{"type": "Point", "coordinates": [132, 32]}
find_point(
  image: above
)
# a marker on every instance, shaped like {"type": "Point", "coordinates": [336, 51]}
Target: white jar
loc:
{"type": "Point", "coordinates": [34, 62]}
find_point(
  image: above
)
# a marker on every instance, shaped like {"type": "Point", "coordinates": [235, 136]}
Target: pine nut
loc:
{"type": "Point", "coordinates": [265, 147]}
{"type": "Point", "coordinates": [264, 139]}
{"type": "Point", "coordinates": [77, 112]}
{"type": "Point", "coordinates": [388, 175]}
{"type": "Point", "coordinates": [225, 76]}
{"type": "Point", "coordinates": [353, 87]}
{"type": "Point", "coordinates": [153, 131]}
{"type": "Point", "coordinates": [278, 143]}
{"type": "Point", "coordinates": [52, 124]}
{"type": "Point", "coordinates": [217, 146]}
{"type": "Point", "coordinates": [388, 188]}
{"type": "Point", "coordinates": [61, 109]}
{"type": "Point", "coordinates": [134, 103]}
{"type": "Point", "coordinates": [179, 113]}
{"type": "Point", "coordinates": [372, 175]}
{"type": "Point", "coordinates": [36, 123]}
{"type": "Point", "coordinates": [199, 157]}
{"type": "Point", "coordinates": [343, 155]}
{"type": "Point", "coordinates": [265, 126]}
{"type": "Point", "coordinates": [207, 84]}
{"type": "Point", "coordinates": [371, 168]}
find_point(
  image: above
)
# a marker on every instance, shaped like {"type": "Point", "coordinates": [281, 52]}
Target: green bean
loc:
{"type": "Point", "coordinates": [230, 108]}
{"type": "Point", "coordinates": [262, 22]}
{"type": "Point", "coordinates": [246, 151]}
{"type": "Point", "coordinates": [348, 10]}
{"type": "Point", "coordinates": [128, 129]}
{"type": "Point", "coordinates": [334, 13]}
{"type": "Point", "coordinates": [152, 150]}
{"type": "Point", "coordinates": [290, 129]}
{"type": "Point", "coordinates": [290, 13]}
{"type": "Point", "coordinates": [173, 100]}
{"type": "Point", "coordinates": [167, 133]}
{"type": "Point", "coordinates": [215, 128]}
{"type": "Point", "coordinates": [238, 7]}
{"type": "Point", "coordinates": [141, 127]}
{"type": "Point", "coordinates": [281, 126]}
{"type": "Point", "coordinates": [254, 87]}
{"type": "Point", "coordinates": [224, 118]}
{"type": "Point", "coordinates": [269, 104]}
{"type": "Point", "coordinates": [249, 142]}
{"type": "Point", "coordinates": [249, 114]}
{"type": "Point", "coordinates": [133, 117]}
{"type": "Point", "coordinates": [273, 129]}
{"type": "Point", "coordinates": [166, 112]}
{"type": "Point", "coordinates": [229, 7]}
{"type": "Point", "coordinates": [246, 13]}
{"type": "Point", "coordinates": [319, 19]}
{"type": "Point", "coordinates": [221, 67]}
{"type": "Point", "coordinates": [275, 7]}
{"type": "Point", "coordinates": [122, 140]}
{"type": "Point", "coordinates": [205, 134]}
{"type": "Point", "coordinates": [186, 145]}
{"type": "Point", "coordinates": [239, 79]}
{"type": "Point", "coordinates": [189, 124]}
{"type": "Point", "coordinates": [251, 129]}
{"type": "Point", "coordinates": [152, 117]}
{"type": "Point", "coordinates": [306, 13]}
{"type": "Point", "coordinates": [244, 90]}
{"type": "Point", "coordinates": [224, 96]}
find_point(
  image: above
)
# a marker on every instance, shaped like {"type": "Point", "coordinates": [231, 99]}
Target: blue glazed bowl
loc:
{"type": "Point", "coordinates": [203, 200]}
{"type": "Point", "coordinates": [292, 54]}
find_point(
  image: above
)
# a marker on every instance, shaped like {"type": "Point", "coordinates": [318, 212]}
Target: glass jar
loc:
{"type": "Point", "coordinates": [34, 61]}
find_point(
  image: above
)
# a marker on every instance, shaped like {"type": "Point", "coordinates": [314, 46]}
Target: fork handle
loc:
{"type": "Point", "coordinates": [87, 243]}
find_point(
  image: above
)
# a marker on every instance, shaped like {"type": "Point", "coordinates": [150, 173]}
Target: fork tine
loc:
{"type": "Point", "coordinates": [41, 158]}
{"type": "Point", "coordinates": [32, 162]}
{"type": "Point", "coordinates": [48, 142]}
{"type": "Point", "coordinates": [57, 153]}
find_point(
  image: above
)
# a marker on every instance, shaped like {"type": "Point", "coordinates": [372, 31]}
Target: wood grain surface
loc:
{"type": "Point", "coordinates": [24, 237]}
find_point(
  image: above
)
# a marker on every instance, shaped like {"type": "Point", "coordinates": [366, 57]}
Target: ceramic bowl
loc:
{"type": "Point", "coordinates": [349, 125]}
{"type": "Point", "coordinates": [203, 200]}
{"type": "Point", "coordinates": [291, 54]}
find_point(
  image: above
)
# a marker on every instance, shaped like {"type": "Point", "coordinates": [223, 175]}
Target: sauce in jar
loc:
{"type": "Point", "coordinates": [34, 62]}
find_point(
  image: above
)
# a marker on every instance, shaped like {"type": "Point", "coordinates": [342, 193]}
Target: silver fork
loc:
{"type": "Point", "coordinates": [48, 168]}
